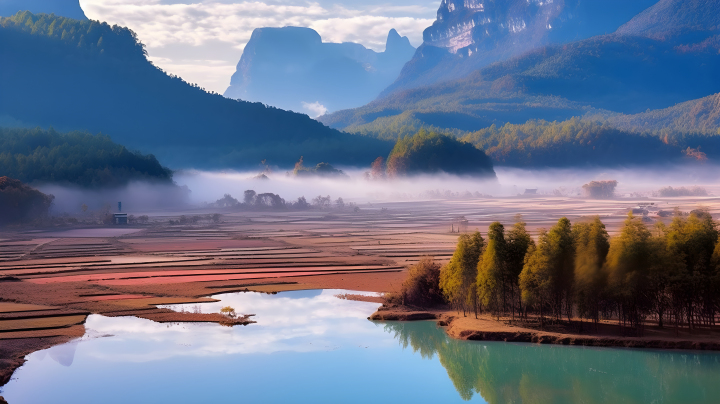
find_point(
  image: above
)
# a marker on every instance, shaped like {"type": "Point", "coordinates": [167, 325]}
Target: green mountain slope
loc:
{"type": "Point", "coordinates": [616, 73]}
{"type": "Point", "coordinates": [43, 156]}
{"type": "Point", "coordinates": [701, 116]}
{"type": "Point", "coordinates": [86, 75]}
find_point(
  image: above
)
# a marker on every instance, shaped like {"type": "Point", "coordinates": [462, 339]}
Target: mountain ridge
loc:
{"type": "Point", "coordinates": [471, 34]}
{"type": "Point", "coordinates": [291, 68]}
{"type": "Point", "coordinates": [61, 75]}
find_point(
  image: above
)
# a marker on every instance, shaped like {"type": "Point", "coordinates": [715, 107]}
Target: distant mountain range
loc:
{"type": "Point", "coordinates": [291, 68]}
{"type": "Point", "coordinates": [656, 76]}
{"type": "Point", "coordinates": [471, 34]}
{"type": "Point", "coordinates": [622, 73]}
{"type": "Point", "coordinates": [63, 8]}
{"type": "Point", "coordinates": [86, 75]}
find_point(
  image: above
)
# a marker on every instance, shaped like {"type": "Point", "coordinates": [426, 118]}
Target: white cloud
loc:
{"type": "Point", "coordinates": [314, 109]}
{"type": "Point", "coordinates": [202, 41]}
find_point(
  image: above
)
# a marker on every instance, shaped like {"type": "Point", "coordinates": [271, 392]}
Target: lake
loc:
{"type": "Point", "coordinates": [311, 346]}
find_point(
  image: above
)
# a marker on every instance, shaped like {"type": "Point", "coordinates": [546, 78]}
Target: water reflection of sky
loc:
{"type": "Point", "coordinates": [308, 346]}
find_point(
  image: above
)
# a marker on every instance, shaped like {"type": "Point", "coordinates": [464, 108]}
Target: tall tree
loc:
{"type": "Point", "coordinates": [492, 274]}
{"type": "Point", "coordinates": [628, 265]}
{"type": "Point", "coordinates": [693, 241]}
{"type": "Point", "coordinates": [563, 266]}
{"type": "Point", "coordinates": [518, 242]}
{"type": "Point", "coordinates": [458, 277]}
{"type": "Point", "coordinates": [537, 275]}
{"type": "Point", "coordinates": [591, 249]}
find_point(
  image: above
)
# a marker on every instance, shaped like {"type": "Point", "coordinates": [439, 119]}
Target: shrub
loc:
{"type": "Point", "coordinates": [20, 203]}
{"type": "Point", "coordinates": [421, 288]}
{"type": "Point", "coordinates": [682, 191]}
{"type": "Point", "coordinates": [600, 189]}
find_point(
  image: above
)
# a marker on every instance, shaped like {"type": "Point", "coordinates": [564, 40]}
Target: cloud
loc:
{"type": "Point", "coordinates": [315, 109]}
{"type": "Point", "coordinates": [202, 40]}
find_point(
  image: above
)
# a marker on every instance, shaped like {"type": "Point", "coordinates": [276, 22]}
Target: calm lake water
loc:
{"type": "Point", "coordinates": [310, 346]}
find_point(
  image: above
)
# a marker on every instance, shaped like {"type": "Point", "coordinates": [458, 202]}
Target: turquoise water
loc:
{"type": "Point", "coordinates": [310, 346]}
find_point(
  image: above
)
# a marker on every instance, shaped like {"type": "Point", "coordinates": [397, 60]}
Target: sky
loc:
{"type": "Point", "coordinates": [202, 40]}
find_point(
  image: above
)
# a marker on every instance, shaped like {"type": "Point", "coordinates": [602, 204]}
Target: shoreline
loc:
{"type": "Point", "coordinates": [486, 328]}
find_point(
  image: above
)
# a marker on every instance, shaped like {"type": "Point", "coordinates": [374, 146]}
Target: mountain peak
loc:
{"type": "Point", "coordinates": [395, 42]}
{"type": "Point", "coordinates": [470, 34]}
{"type": "Point", "coordinates": [292, 68]}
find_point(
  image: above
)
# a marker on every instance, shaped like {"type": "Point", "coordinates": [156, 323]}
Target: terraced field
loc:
{"type": "Point", "coordinates": [51, 279]}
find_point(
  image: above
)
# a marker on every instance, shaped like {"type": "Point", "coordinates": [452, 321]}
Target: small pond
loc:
{"type": "Point", "coordinates": [310, 346]}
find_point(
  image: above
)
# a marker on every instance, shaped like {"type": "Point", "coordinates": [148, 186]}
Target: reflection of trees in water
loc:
{"type": "Point", "coordinates": [527, 373]}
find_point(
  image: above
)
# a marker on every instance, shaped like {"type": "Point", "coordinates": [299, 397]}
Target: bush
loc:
{"type": "Point", "coordinates": [600, 189]}
{"type": "Point", "coordinates": [20, 203]}
{"type": "Point", "coordinates": [421, 288]}
{"type": "Point", "coordinates": [682, 191]}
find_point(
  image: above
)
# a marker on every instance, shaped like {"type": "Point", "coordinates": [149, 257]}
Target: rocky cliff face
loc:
{"type": "Point", "coordinates": [291, 68]}
{"type": "Point", "coordinates": [470, 34]}
{"type": "Point", "coordinates": [62, 8]}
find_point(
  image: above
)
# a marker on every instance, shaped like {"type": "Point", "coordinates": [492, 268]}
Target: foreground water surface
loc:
{"type": "Point", "coordinates": [310, 346]}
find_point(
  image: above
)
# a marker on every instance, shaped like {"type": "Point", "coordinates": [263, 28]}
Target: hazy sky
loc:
{"type": "Point", "coordinates": [202, 40]}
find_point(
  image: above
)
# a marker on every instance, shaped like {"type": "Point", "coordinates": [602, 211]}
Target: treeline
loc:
{"type": "Point", "coordinates": [78, 158]}
{"type": "Point", "coordinates": [268, 200]}
{"type": "Point", "coordinates": [670, 274]}
{"type": "Point", "coordinates": [84, 35]}
{"type": "Point", "coordinates": [575, 142]}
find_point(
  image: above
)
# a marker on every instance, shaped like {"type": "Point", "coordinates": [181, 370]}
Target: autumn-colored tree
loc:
{"type": "Point", "coordinates": [458, 277]}
{"type": "Point", "coordinates": [537, 275]}
{"type": "Point", "coordinates": [492, 270]}
{"type": "Point", "coordinates": [562, 247]}
{"type": "Point", "coordinates": [628, 265]}
{"type": "Point", "coordinates": [591, 249]}
{"type": "Point", "coordinates": [517, 244]}
{"type": "Point", "coordinates": [377, 169]}
{"type": "Point", "coordinates": [692, 241]}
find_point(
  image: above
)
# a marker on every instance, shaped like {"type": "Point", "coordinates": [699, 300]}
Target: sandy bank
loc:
{"type": "Point", "coordinates": [608, 334]}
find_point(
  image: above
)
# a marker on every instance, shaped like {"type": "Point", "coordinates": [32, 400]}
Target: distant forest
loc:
{"type": "Point", "coordinates": [37, 156]}
{"type": "Point", "coordinates": [91, 76]}
{"type": "Point", "coordinates": [578, 142]}
{"type": "Point", "coordinates": [430, 153]}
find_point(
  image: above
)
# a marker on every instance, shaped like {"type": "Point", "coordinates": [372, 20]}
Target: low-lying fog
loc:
{"type": "Point", "coordinates": [201, 187]}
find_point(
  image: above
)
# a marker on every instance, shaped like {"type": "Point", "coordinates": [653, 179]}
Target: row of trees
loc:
{"type": "Point", "coordinates": [670, 273]}
{"type": "Point", "coordinates": [252, 199]}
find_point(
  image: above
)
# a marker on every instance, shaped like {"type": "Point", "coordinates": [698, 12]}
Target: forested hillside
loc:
{"type": "Point", "coordinates": [700, 116]}
{"type": "Point", "coordinates": [46, 156]}
{"type": "Point", "coordinates": [644, 94]}
{"type": "Point", "coordinates": [431, 153]}
{"type": "Point", "coordinates": [615, 73]}
{"type": "Point", "coordinates": [586, 143]}
{"type": "Point", "coordinates": [683, 20]}
{"type": "Point", "coordinates": [87, 75]}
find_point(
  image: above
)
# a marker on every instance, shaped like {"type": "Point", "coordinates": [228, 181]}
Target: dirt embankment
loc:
{"type": "Point", "coordinates": [606, 334]}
